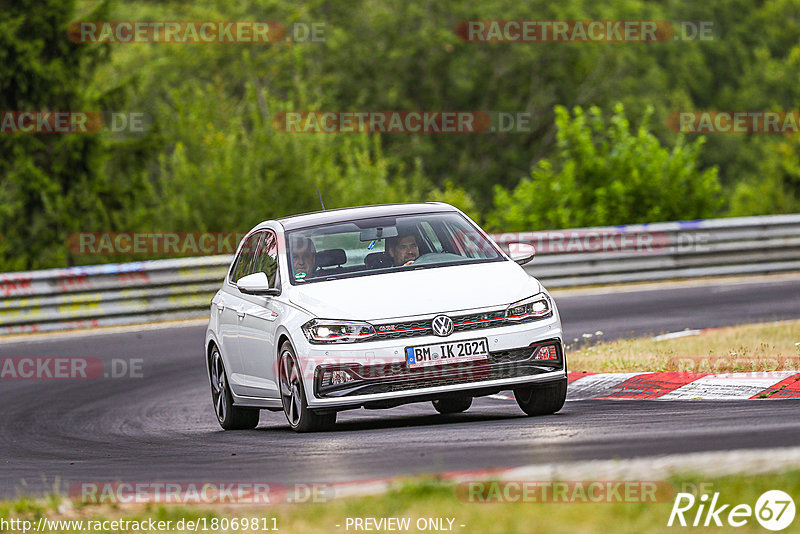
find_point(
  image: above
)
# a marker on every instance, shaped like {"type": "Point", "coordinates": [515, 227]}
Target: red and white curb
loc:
{"type": "Point", "coordinates": [685, 386]}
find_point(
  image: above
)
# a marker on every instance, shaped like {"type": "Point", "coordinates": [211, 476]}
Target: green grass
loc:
{"type": "Point", "coordinates": [745, 348]}
{"type": "Point", "coordinates": [426, 497]}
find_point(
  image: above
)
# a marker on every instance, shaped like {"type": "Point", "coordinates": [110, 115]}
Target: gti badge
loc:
{"type": "Point", "coordinates": [442, 325]}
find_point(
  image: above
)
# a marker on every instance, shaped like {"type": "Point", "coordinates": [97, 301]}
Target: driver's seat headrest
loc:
{"type": "Point", "coordinates": [377, 260]}
{"type": "Point", "coordinates": [331, 257]}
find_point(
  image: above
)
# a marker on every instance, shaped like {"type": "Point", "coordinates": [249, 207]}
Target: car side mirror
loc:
{"type": "Point", "coordinates": [256, 284]}
{"type": "Point", "coordinates": [521, 253]}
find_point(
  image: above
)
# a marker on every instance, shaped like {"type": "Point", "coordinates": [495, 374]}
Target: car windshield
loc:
{"type": "Point", "coordinates": [385, 244]}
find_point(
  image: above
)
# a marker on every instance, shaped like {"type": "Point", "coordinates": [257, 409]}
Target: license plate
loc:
{"type": "Point", "coordinates": [444, 353]}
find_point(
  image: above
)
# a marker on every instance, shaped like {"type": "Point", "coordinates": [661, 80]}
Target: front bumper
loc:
{"type": "Point", "coordinates": [396, 377]}
{"type": "Point", "coordinates": [382, 378]}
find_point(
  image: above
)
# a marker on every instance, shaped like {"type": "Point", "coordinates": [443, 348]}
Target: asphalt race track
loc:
{"type": "Point", "coordinates": [639, 313]}
{"type": "Point", "coordinates": [161, 427]}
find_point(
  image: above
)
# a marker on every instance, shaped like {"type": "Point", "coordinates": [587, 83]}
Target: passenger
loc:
{"type": "Point", "coordinates": [304, 257]}
{"type": "Point", "coordinates": [403, 249]}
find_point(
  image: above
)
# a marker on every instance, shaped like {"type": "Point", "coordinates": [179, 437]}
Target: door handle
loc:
{"type": "Point", "coordinates": [220, 308]}
{"type": "Point", "coordinates": [241, 314]}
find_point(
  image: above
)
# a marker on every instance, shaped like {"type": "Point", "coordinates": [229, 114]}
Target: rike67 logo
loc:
{"type": "Point", "coordinates": [774, 510]}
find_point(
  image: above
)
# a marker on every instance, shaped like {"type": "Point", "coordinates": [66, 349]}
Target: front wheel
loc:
{"type": "Point", "coordinates": [542, 400]}
{"type": "Point", "coordinates": [300, 417]}
{"type": "Point", "coordinates": [229, 417]}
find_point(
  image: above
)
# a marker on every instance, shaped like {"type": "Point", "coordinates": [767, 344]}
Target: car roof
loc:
{"type": "Point", "coordinates": [361, 212]}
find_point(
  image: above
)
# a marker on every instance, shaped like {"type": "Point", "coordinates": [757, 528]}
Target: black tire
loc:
{"type": "Point", "coordinates": [542, 400]}
{"type": "Point", "coordinates": [452, 405]}
{"type": "Point", "coordinates": [229, 417]}
{"type": "Point", "coordinates": [293, 397]}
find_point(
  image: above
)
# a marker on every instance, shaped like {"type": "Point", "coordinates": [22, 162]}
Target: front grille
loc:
{"type": "Point", "coordinates": [440, 378]}
{"type": "Point", "coordinates": [510, 356]}
{"type": "Point", "coordinates": [461, 323]}
{"type": "Point", "coordinates": [400, 369]}
{"type": "Point", "coordinates": [476, 321]}
{"type": "Point", "coordinates": [403, 329]}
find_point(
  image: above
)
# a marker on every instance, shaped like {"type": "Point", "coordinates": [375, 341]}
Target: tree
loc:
{"type": "Point", "coordinates": [603, 173]}
{"type": "Point", "coordinates": [51, 184]}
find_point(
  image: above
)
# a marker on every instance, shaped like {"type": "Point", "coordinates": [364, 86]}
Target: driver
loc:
{"type": "Point", "coordinates": [403, 249]}
{"type": "Point", "coordinates": [304, 257]}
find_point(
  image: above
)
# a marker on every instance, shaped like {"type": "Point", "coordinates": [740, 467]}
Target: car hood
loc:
{"type": "Point", "coordinates": [421, 292]}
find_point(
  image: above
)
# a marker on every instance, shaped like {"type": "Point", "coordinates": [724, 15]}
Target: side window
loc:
{"type": "Point", "coordinates": [267, 259]}
{"type": "Point", "coordinates": [244, 262]}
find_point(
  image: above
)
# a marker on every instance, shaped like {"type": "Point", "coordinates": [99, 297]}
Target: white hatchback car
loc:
{"type": "Point", "coordinates": [375, 307]}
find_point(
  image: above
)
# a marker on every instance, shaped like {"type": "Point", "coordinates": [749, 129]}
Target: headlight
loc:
{"type": "Point", "coordinates": [535, 307]}
{"type": "Point", "coordinates": [330, 331]}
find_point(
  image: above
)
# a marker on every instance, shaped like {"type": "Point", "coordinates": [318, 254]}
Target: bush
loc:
{"type": "Point", "coordinates": [604, 174]}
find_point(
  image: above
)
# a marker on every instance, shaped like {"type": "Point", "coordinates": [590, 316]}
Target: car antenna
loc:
{"type": "Point", "coordinates": [320, 200]}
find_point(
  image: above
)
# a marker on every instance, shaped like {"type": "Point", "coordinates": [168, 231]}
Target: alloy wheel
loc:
{"type": "Point", "coordinates": [290, 389]}
{"type": "Point", "coordinates": [218, 386]}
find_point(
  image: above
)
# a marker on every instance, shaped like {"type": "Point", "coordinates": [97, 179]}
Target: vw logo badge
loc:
{"type": "Point", "coordinates": [442, 325]}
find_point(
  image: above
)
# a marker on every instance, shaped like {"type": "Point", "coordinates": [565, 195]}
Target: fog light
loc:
{"type": "Point", "coordinates": [340, 377]}
{"type": "Point", "coordinates": [548, 352]}
{"type": "Point", "coordinates": [336, 378]}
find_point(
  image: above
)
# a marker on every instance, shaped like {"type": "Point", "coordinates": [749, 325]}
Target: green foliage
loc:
{"type": "Point", "coordinates": [245, 175]}
{"type": "Point", "coordinates": [603, 173]}
{"type": "Point", "coordinates": [52, 184]}
{"type": "Point", "coordinates": [213, 161]}
{"type": "Point", "coordinates": [47, 181]}
{"type": "Point", "coordinates": [458, 197]}
{"type": "Point", "coordinates": [229, 169]}
{"type": "Point", "coordinates": [775, 188]}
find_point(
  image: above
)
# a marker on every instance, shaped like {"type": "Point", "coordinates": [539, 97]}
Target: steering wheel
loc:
{"type": "Point", "coordinates": [434, 257]}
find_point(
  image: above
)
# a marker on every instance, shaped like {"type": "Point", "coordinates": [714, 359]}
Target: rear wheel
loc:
{"type": "Point", "coordinates": [299, 416]}
{"type": "Point", "coordinates": [452, 405]}
{"type": "Point", "coordinates": [542, 400]}
{"type": "Point", "coordinates": [230, 417]}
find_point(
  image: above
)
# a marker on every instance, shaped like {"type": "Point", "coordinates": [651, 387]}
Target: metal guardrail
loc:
{"type": "Point", "coordinates": [112, 294]}
{"type": "Point", "coordinates": [146, 291]}
{"type": "Point", "coordinates": [663, 251]}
